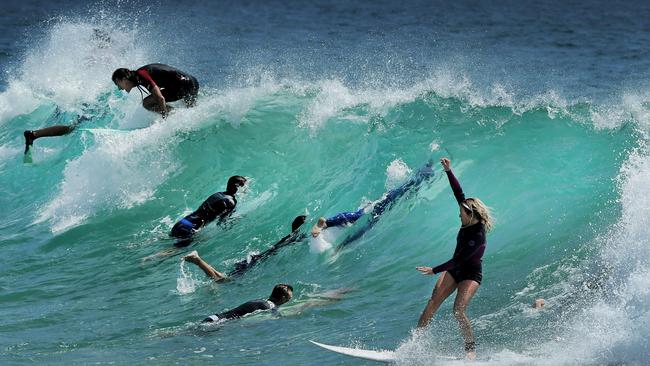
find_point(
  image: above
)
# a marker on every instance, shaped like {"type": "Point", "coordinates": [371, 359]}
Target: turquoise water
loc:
{"type": "Point", "coordinates": [566, 178]}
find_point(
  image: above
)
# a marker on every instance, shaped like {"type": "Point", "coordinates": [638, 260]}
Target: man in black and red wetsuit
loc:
{"type": "Point", "coordinates": [164, 84]}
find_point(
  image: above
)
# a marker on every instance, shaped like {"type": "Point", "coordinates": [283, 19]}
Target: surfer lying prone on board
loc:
{"type": "Point", "coordinates": [464, 271]}
{"type": "Point", "coordinates": [242, 266]}
{"type": "Point", "coordinates": [281, 294]}
{"type": "Point", "coordinates": [376, 208]}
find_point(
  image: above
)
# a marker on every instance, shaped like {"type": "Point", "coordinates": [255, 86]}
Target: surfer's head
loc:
{"type": "Point", "coordinates": [281, 294]}
{"type": "Point", "coordinates": [234, 183]}
{"type": "Point", "coordinates": [297, 222]}
{"type": "Point", "coordinates": [125, 79]}
{"type": "Point", "coordinates": [474, 210]}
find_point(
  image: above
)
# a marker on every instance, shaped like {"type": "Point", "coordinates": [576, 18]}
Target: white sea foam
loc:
{"type": "Point", "coordinates": [185, 282]}
{"type": "Point", "coordinates": [396, 173]}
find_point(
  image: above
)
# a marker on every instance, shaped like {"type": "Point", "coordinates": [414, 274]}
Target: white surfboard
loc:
{"type": "Point", "coordinates": [105, 131]}
{"type": "Point", "coordinates": [381, 356]}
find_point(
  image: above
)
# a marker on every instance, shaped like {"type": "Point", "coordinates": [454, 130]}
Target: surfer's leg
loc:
{"type": "Point", "coordinates": [58, 130]}
{"type": "Point", "coordinates": [444, 287]}
{"type": "Point", "coordinates": [193, 257]}
{"type": "Point", "coordinates": [466, 290]}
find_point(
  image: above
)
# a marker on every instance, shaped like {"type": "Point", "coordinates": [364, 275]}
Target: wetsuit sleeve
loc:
{"type": "Point", "coordinates": [145, 75]}
{"type": "Point", "coordinates": [344, 218]}
{"type": "Point", "coordinates": [468, 252]}
{"type": "Point", "coordinates": [455, 186]}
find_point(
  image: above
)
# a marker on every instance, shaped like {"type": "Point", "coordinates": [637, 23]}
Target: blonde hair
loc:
{"type": "Point", "coordinates": [482, 211]}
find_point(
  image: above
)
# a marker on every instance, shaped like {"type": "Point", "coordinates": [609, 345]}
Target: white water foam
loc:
{"type": "Point", "coordinates": [185, 282]}
{"type": "Point", "coordinates": [396, 173]}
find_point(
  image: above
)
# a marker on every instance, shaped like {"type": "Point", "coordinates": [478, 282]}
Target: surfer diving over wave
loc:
{"type": "Point", "coordinates": [242, 266]}
{"type": "Point", "coordinates": [376, 208]}
{"type": "Point", "coordinates": [164, 84]}
{"type": "Point", "coordinates": [464, 271]}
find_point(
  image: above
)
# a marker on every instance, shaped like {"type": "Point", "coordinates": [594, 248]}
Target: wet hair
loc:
{"type": "Point", "coordinates": [280, 293]}
{"type": "Point", "coordinates": [480, 209]}
{"type": "Point", "coordinates": [297, 222]}
{"type": "Point", "coordinates": [234, 182]}
{"type": "Point", "coordinates": [122, 73]}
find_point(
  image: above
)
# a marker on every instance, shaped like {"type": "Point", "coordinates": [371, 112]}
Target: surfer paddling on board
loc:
{"type": "Point", "coordinates": [242, 266]}
{"type": "Point", "coordinates": [164, 84]}
{"type": "Point", "coordinates": [218, 206]}
{"type": "Point", "coordinates": [281, 294]}
{"type": "Point", "coordinates": [464, 271]}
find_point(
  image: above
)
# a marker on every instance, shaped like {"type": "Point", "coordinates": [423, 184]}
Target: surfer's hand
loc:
{"type": "Point", "coordinates": [425, 270]}
{"type": "Point", "coordinates": [446, 164]}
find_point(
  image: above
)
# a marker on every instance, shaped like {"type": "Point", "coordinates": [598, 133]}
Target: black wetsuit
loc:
{"type": "Point", "coordinates": [467, 263]}
{"type": "Point", "coordinates": [241, 310]}
{"type": "Point", "coordinates": [219, 205]}
{"type": "Point", "coordinates": [243, 266]}
{"type": "Point", "coordinates": [174, 84]}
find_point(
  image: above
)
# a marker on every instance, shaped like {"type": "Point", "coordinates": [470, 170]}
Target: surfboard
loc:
{"type": "Point", "coordinates": [380, 356]}
{"type": "Point", "coordinates": [105, 131]}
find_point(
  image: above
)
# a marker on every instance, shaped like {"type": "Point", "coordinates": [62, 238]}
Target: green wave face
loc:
{"type": "Point", "coordinates": [564, 181]}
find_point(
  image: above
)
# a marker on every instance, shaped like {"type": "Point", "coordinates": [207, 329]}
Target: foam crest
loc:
{"type": "Point", "coordinates": [16, 100]}
{"type": "Point", "coordinates": [68, 75]}
{"type": "Point", "coordinates": [331, 98]}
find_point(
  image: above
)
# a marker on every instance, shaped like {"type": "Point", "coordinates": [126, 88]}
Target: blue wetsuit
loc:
{"type": "Point", "coordinates": [344, 218]}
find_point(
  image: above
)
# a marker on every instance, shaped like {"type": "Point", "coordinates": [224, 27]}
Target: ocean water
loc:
{"type": "Point", "coordinates": [542, 107]}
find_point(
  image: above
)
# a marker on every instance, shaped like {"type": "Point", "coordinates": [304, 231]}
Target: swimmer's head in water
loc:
{"type": "Point", "coordinates": [297, 222]}
{"type": "Point", "coordinates": [474, 208]}
{"type": "Point", "coordinates": [281, 294]}
{"type": "Point", "coordinates": [125, 79]}
{"type": "Point", "coordinates": [234, 183]}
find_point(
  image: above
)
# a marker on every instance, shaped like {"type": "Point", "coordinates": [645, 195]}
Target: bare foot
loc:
{"type": "Point", "coordinates": [29, 140]}
{"type": "Point", "coordinates": [193, 257]}
{"type": "Point", "coordinates": [470, 356]}
{"type": "Point", "coordinates": [320, 225]}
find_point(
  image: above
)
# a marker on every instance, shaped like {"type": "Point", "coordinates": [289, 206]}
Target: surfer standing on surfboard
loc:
{"type": "Point", "coordinates": [464, 271]}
